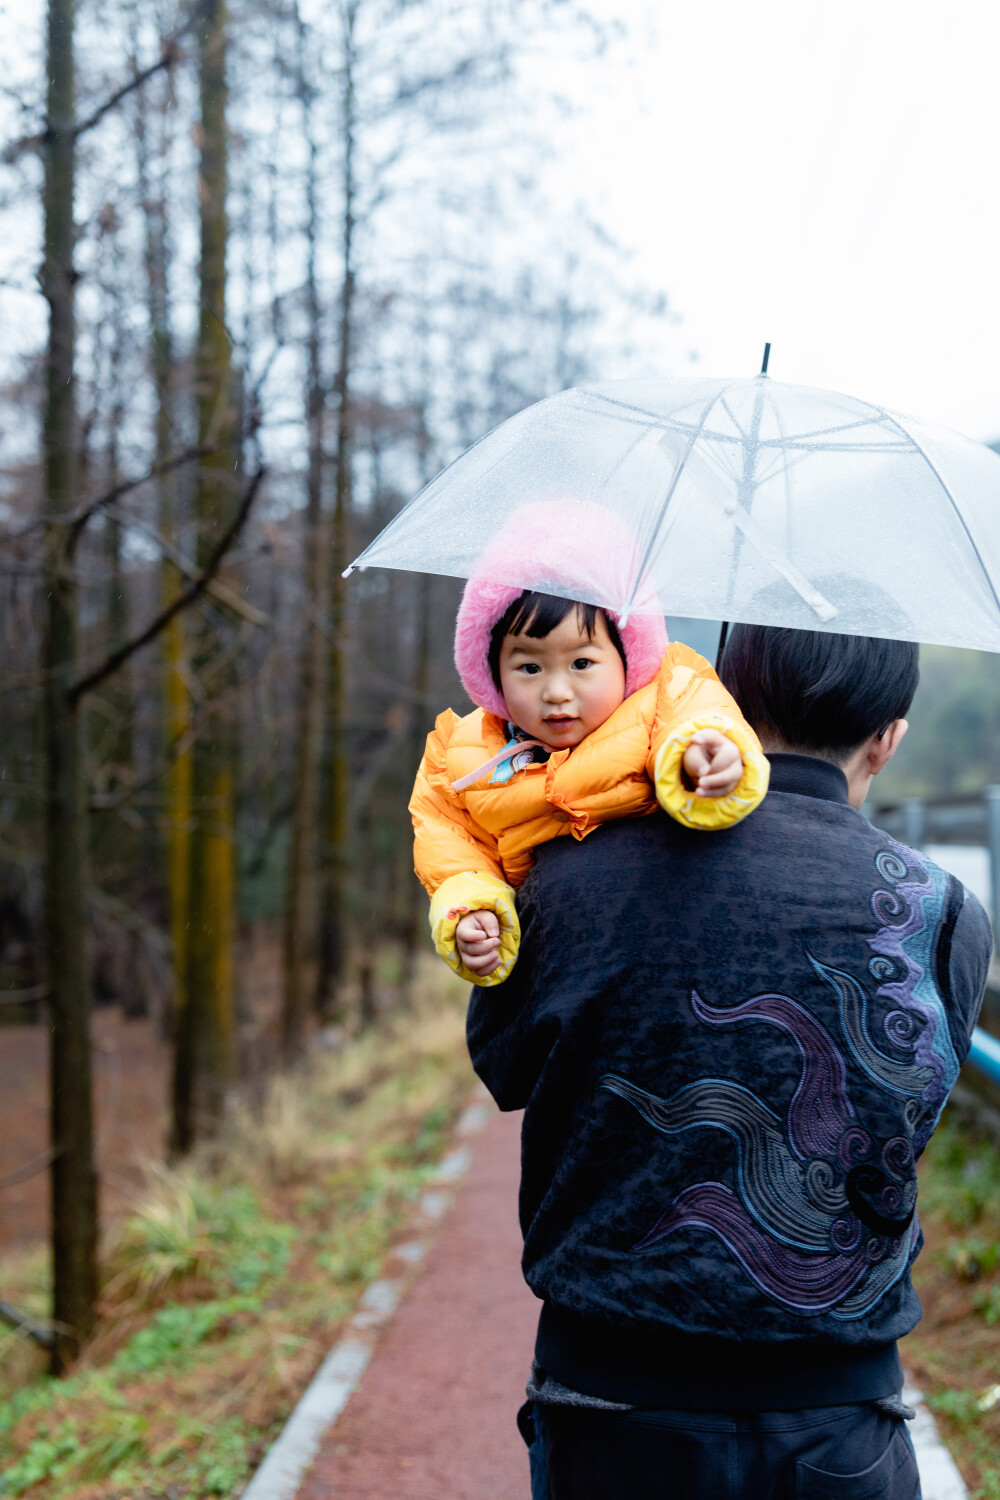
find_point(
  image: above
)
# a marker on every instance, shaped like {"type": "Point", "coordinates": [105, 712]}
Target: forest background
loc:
{"type": "Point", "coordinates": [265, 271]}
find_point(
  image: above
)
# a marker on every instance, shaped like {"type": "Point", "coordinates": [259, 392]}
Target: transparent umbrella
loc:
{"type": "Point", "coordinates": [746, 500]}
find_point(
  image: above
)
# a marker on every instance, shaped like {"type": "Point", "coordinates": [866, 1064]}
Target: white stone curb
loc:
{"type": "Point", "coordinates": [939, 1476]}
{"type": "Point", "coordinates": [298, 1443]}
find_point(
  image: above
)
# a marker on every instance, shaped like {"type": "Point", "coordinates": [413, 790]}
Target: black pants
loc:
{"type": "Point", "coordinates": [822, 1453]}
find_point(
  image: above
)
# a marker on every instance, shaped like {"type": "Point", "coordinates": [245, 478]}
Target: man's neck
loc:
{"type": "Point", "coordinates": [855, 767]}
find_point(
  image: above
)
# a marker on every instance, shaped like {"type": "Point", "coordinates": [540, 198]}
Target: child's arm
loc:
{"type": "Point", "coordinates": [704, 759]}
{"type": "Point", "coordinates": [458, 864]}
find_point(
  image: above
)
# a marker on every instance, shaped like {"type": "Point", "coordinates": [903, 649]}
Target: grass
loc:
{"type": "Point", "coordinates": [226, 1287]}
{"type": "Point", "coordinates": [953, 1353]}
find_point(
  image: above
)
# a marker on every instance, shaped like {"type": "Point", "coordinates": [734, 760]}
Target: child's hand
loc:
{"type": "Point", "coordinates": [477, 938]}
{"type": "Point", "coordinates": [713, 763]}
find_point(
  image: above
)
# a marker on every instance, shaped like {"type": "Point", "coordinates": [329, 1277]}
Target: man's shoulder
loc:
{"type": "Point", "coordinates": [970, 922]}
{"type": "Point", "coordinates": [779, 820]}
{"type": "Point", "coordinates": [787, 842]}
{"type": "Point", "coordinates": [913, 866]}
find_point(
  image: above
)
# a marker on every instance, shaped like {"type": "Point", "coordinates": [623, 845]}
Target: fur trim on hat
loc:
{"type": "Point", "coordinates": [573, 548]}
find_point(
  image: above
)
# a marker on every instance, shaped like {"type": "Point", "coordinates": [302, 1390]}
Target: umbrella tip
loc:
{"type": "Point", "coordinates": [767, 356]}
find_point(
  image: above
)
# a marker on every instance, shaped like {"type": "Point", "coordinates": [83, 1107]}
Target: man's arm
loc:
{"type": "Point", "coordinates": [968, 967]}
{"type": "Point", "coordinates": [509, 1036]}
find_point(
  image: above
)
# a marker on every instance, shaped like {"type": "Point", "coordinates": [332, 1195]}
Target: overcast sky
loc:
{"type": "Point", "coordinates": [826, 176]}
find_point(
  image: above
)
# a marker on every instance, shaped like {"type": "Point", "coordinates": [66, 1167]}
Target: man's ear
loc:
{"type": "Point", "coordinates": [882, 750]}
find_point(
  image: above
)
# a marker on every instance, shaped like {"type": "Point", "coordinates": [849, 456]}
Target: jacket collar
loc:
{"type": "Point", "coordinates": [807, 776]}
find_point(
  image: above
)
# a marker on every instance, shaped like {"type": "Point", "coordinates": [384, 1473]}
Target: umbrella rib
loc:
{"type": "Point", "coordinates": [903, 446]}
{"type": "Point", "coordinates": [651, 416]}
{"type": "Point", "coordinates": [671, 424]}
{"type": "Point", "coordinates": [359, 561]}
{"type": "Point", "coordinates": [623, 617]}
{"type": "Point", "coordinates": [674, 425]}
{"type": "Point", "coordinates": [626, 455]}
{"type": "Point", "coordinates": [820, 432]}
{"type": "Point", "coordinates": [897, 422]}
{"type": "Point", "coordinates": [678, 425]}
{"type": "Point", "coordinates": [734, 419]}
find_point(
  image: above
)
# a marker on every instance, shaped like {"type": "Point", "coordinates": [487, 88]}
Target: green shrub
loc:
{"type": "Point", "coordinates": [960, 1177]}
{"type": "Point", "coordinates": [191, 1225]}
{"type": "Point", "coordinates": [961, 1407]}
{"type": "Point", "coordinates": [987, 1305]}
{"type": "Point", "coordinates": [48, 1457]}
{"type": "Point", "coordinates": [174, 1332]}
{"type": "Point", "coordinates": [973, 1257]}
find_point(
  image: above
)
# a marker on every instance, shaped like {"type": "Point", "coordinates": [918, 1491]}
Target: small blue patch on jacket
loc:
{"type": "Point", "coordinates": [506, 770]}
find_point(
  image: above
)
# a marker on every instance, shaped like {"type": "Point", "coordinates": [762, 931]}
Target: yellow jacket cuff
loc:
{"type": "Point", "coordinates": [710, 813]}
{"type": "Point", "coordinates": [475, 891]}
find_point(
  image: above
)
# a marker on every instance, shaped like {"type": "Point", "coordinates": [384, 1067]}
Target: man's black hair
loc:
{"type": "Point", "coordinates": [817, 692]}
{"type": "Point", "coordinates": [538, 614]}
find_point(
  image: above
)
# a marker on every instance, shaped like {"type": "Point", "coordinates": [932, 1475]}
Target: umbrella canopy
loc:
{"type": "Point", "coordinates": [746, 500]}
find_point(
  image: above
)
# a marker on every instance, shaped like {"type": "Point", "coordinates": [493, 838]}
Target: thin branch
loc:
{"type": "Point", "coordinates": [364, 784]}
{"type": "Point", "coordinates": [23, 997]}
{"type": "Point", "coordinates": [178, 746]}
{"type": "Point", "coordinates": [168, 57]}
{"type": "Point", "coordinates": [29, 1168]}
{"type": "Point", "coordinates": [162, 620]}
{"type": "Point", "coordinates": [78, 520]}
{"type": "Point", "coordinates": [280, 815]}
{"type": "Point", "coordinates": [217, 589]}
{"type": "Point", "coordinates": [24, 1324]}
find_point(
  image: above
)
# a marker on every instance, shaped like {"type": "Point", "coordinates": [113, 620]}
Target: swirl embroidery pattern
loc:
{"type": "Point", "coordinates": [823, 1217]}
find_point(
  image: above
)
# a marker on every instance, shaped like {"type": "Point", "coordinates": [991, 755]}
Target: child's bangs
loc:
{"type": "Point", "coordinates": [537, 615]}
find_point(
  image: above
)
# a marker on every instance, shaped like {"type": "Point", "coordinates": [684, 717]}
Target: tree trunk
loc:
{"type": "Point", "coordinates": [334, 859]}
{"type": "Point", "coordinates": [205, 1054]}
{"type": "Point", "coordinates": [415, 910]}
{"type": "Point", "coordinates": [367, 922]}
{"type": "Point", "coordinates": [305, 780]}
{"type": "Point", "coordinates": [177, 704]}
{"type": "Point", "coordinates": [119, 740]}
{"type": "Point", "coordinates": [74, 1176]}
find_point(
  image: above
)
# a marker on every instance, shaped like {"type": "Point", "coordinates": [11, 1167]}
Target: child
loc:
{"type": "Point", "coordinates": [579, 722]}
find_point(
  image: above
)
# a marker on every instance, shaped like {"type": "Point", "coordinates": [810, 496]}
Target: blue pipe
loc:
{"type": "Point", "coordinates": [985, 1053]}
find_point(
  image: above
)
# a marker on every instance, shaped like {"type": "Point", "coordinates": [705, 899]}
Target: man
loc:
{"type": "Point", "coordinates": [731, 1048]}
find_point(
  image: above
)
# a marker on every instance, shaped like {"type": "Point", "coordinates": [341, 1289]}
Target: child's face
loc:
{"type": "Point", "coordinates": [564, 685]}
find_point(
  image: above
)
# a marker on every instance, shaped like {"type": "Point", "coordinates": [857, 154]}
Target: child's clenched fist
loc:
{"type": "Point", "coordinates": [713, 763]}
{"type": "Point", "coordinates": [477, 938]}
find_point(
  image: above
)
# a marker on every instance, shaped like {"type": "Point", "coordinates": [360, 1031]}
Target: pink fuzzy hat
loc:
{"type": "Point", "coordinates": [589, 554]}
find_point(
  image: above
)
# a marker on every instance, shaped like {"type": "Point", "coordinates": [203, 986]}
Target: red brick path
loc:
{"type": "Point", "coordinates": [433, 1418]}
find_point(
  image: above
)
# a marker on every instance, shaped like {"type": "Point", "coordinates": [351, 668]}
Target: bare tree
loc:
{"type": "Point", "coordinates": [205, 1032]}
{"type": "Point", "coordinates": [334, 853]}
{"type": "Point", "coordinates": [151, 169]}
{"type": "Point", "coordinates": [74, 1177]}
{"type": "Point", "coordinates": [301, 857]}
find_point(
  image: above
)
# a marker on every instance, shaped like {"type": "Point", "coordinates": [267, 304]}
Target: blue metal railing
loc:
{"type": "Point", "coordinates": [985, 1053]}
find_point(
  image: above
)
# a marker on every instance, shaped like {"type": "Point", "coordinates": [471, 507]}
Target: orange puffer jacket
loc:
{"type": "Point", "coordinates": [474, 847]}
